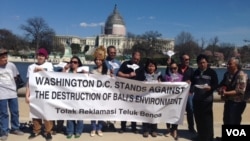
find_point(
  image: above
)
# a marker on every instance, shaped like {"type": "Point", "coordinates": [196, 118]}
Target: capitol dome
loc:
{"type": "Point", "coordinates": [115, 24]}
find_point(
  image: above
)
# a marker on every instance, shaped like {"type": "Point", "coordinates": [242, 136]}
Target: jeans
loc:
{"type": "Point", "coordinates": [4, 115]}
{"type": "Point", "coordinates": [232, 112]}
{"type": "Point", "coordinates": [74, 127]}
{"type": "Point", "coordinates": [97, 126]}
{"type": "Point", "coordinates": [190, 112]}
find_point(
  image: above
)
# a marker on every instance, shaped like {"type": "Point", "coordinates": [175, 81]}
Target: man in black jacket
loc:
{"type": "Point", "coordinates": [205, 81]}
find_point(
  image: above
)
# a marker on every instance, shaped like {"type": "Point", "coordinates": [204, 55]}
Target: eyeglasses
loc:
{"type": "Point", "coordinates": [73, 62]}
{"type": "Point", "coordinates": [186, 59]}
{"type": "Point", "coordinates": [112, 52]}
{"type": "Point", "coordinates": [174, 68]}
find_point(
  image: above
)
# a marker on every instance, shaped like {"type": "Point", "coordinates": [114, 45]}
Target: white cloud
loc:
{"type": "Point", "coordinates": [16, 17]}
{"type": "Point", "coordinates": [140, 18]}
{"type": "Point", "coordinates": [181, 24]}
{"type": "Point", "coordinates": [84, 24]}
{"type": "Point", "coordinates": [151, 17]}
{"type": "Point", "coordinates": [143, 17]}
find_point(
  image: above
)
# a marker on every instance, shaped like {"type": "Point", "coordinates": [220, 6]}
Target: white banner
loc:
{"type": "Point", "coordinates": [68, 96]}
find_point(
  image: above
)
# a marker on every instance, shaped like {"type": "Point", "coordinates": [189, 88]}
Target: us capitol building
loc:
{"type": "Point", "coordinates": [113, 33]}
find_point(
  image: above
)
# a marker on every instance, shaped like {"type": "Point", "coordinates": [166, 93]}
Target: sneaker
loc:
{"type": "Point", "coordinates": [77, 135]}
{"type": "Point", "coordinates": [4, 138]}
{"type": "Point", "coordinates": [145, 134]}
{"type": "Point", "coordinates": [92, 133]}
{"type": "Point", "coordinates": [48, 137]}
{"type": "Point", "coordinates": [69, 136]}
{"type": "Point", "coordinates": [33, 135]}
{"type": "Point", "coordinates": [154, 134]}
{"type": "Point", "coordinates": [17, 132]}
{"type": "Point", "coordinates": [99, 132]}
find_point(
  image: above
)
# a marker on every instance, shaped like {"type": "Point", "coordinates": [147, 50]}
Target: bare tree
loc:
{"type": "Point", "coordinates": [203, 42]}
{"type": "Point", "coordinates": [10, 41]}
{"type": "Point", "coordinates": [184, 43]}
{"type": "Point", "coordinates": [38, 31]}
{"type": "Point", "coordinates": [213, 45]}
{"type": "Point", "coordinates": [214, 41]}
{"type": "Point", "coordinates": [183, 38]}
{"type": "Point", "coordinates": [7, 39]}
{"type": "Point", "coordinates": [147, 43]}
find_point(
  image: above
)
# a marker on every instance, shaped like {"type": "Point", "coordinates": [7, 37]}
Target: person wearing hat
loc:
{"type": "Point", "coordinates": [8, 97]}
{"type": "Point", "coordinates": [40, 65]}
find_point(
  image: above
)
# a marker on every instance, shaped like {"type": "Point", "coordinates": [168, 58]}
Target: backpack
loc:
{"type": "Point", "coordinates": [247, 91]}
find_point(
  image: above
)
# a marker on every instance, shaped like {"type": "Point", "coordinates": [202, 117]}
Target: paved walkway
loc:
{"type": "Point", "coordinates": [184, 135]}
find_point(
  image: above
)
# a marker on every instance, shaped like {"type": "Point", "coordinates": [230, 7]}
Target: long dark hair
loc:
{"type": "Point", "coordinates": [79, 62]}
{"type": "Point", "coordinates": [104, 67]}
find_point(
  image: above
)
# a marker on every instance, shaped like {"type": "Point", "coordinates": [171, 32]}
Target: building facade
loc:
{"type": "Point", "coordinates": [113, 33]}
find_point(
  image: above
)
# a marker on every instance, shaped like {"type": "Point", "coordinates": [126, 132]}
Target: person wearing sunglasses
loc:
{"type": "Point", "coordinates": [187, 72]}
{"type": "Point", "coordinates": [73, 126]}
{"type": "Point", "coordinates": [173, 76]}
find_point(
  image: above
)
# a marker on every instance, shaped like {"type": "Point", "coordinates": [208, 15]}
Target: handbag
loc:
{"type": "Point", "coordinates": [19, 82]}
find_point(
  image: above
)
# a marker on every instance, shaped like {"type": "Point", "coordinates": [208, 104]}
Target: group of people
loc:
{"type": "Point", "coordinates": [204, 82]}
{"type": "Point", "coordinates": [199, 103]}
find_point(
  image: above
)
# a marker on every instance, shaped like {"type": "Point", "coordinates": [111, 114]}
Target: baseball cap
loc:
{"type": "Point", "coordinates": [42, 51]}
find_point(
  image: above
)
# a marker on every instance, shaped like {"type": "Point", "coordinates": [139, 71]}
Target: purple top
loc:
{"type": "Point", "coordinates": [174, 77]}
